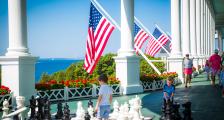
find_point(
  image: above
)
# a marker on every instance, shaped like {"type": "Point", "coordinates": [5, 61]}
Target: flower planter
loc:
{"type": "Point", "coordinates": [52, 95]}
{"type": "Point", "coordinates": [6, 96]}
{"type": "Point", "coordinates": [79, 92]}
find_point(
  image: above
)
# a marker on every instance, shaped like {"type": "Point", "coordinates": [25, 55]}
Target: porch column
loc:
{"type": "Point", "coordinates": [198, 26]}
{"type": "Point", "coordinates": [176, 58]}
{"type": "Point", "coordinates": [18, 66]}
{"type": "Point", "coordinates": [186, 27]}
{"type": "Point", "coordinates": [127, 63]}
{"type": "Point", "coordinates": [193, 42]}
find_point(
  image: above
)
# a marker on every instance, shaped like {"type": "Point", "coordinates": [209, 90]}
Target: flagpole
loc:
{"type": "Point", "coordinates": [115, 23]}
{"type": "Point", "coordinates": [105, 13]}
{"type": "Point", "coordinates": [151, 35]}
{"type": "Point", "coordinates": [149, 62]}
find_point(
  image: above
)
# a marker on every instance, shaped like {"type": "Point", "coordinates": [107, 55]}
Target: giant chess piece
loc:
{"type": "Point", "coordinates": [5, 108]}
{"type": "Point", "coordinates": [163, 110]}
{"type": "Point", "coordinates": [90, 111]}
{"type": "Point", "coordinates": [59, 114]}
{"type": "Point", "coordinates": [15, 117]}
{"type": "Point", "coordinates": [90, 103]}
{"type": "Point", "coordinates": [115, 112]}
{"type": "Point", "coordinates": [40, 106]}
{"type": "Point", "coordinates": [66, 112]}
{"type": "Point", "coordinates": [175, 111]}
{"type": "Point", "coordinates": [32, 107]}
{"type": "Point", "coordinates": [87, 116]}
{"type": "Point", "coordinates": [80, 113]}
{"type": "Point", "coordinates": [168, 110]}
{"type": "Point", "coordinates": [47, 114]}
{"type": "Point", "coordinates": [187, 111]}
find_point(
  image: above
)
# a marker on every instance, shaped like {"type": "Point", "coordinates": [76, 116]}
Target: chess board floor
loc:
{"type": "Point", "coordinates": [207, 103]}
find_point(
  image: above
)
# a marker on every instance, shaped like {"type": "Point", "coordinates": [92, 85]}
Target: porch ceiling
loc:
{"type": "Point", "coordinates": [218, 6]}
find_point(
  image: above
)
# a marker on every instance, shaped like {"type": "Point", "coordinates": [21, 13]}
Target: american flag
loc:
{"type": "Point", "coordinates": [140, 36]}
{"type": "Point", "coordinates": [170, 43]}
{"type": "Point", "coordinates": [99, 31]}
{"type": "Point", "coordinates": [153, 47]}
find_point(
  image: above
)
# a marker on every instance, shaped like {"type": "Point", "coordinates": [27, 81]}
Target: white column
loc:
{"type": "Point", "coordinates": [209, 32]}
{"type": "Point", "coordinates": [193, 42]}
{"type": "Point", "coordinates": [213, 31]}
{"type": "Point", "coordinates": [202, 28]}
{"type": "Point", "coordinates": [198, 26]}
{"type": "Point", "coordinates": [127, 21]}
{"type": "Point", "coordinates": [18, 66]}
{"type": "Point", "coordinates": [219, 39]}
{"type": "Point", "coordinates": [176, 58]}
{"type": "Point", "coordinates": [17, 28]}
{"type": "Point", "coordinates": [127, 63]}
{"type": "Point", "coordinates": [207, 29]}
{"type": "Point", "coordinates": [186, 27]}
{"type": "Point", "coordinates": [206, 26]}
{"type": "Point", "coordinates": [175, 28]}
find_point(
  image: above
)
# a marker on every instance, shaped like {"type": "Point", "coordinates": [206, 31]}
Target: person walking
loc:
{"type": "Point", "coordinates": [215, 64]}
{"type": "Point", "coordinates": [188, 64]}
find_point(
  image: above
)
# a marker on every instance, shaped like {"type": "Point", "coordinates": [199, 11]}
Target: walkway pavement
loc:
{"type": "Point", "coordinates": [207, 103]}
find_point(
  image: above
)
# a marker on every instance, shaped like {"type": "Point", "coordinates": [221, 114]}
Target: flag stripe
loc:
{"type": "Point", "coordinates": [140, 37]}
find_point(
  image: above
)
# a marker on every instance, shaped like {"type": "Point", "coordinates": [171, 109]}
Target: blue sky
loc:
{"type": "Point", "coordinates": [58, 28]}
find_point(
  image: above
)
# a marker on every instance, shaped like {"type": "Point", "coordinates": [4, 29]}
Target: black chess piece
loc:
{"type": "Point", "coordinates": [59, 114]}
{"type": "Point", "coordinates": [175, 111]}
{"type": "Point", "coordinates": [90, 103]}
{"type": "Point", "coordinates": [163, 110]}
{"type": "Point", "coordinates": [47, 114]}
{"type": "Point", "coordinates": [168, 110]}
{"type": "Point", "coordinates": [187, 111]}
{"type": "Point", "coordinates": [87, 116]}
{"type": "Point", "coordinates": [32, 107]}
{"type": "Point", "coordinates": [66, 112]}
{"type": "Point", "coordinates": [40, 106]}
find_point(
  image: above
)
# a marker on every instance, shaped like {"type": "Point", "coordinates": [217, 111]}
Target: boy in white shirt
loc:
{"type": "Point", "coordinates": [104, 99]}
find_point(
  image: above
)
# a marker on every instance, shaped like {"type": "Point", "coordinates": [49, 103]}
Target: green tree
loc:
{"type": "Point", "coordinates": [45, 77]}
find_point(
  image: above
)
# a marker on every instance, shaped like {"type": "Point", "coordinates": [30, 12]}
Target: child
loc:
{"type": "Point", "coordinates": [207, 69]}
{"type": "Point", "coordinates": [168, 90]}
{"type": "Point", "coordinates": [104, 99]}
{"type": "Point", "coordinates": [222, 80]}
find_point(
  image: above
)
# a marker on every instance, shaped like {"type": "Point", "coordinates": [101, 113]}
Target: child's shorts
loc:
{"type": "Point", "coordinates": [207, 69]}
{"type": "Point", "coordinates": [103, 111]}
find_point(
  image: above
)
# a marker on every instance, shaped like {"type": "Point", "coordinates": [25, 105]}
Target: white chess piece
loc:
{"type": "Point", "coordinates": [131, 111]}
{"type": "Point", "coordinates": [80, 111]}
{"type": "Point", "coordinates": [91, 111]}
{"type": "Point", "coordinates": [139, 102]}
{"type": "Point", "coordinates": [126, 110]}
{"type": "Point", "coordinates": [5, 108]}
{"type": "Point", "coordinates": [121, 113]}
{"type": "Point", "coordinates": [115, 112]}
{"type": "Point", "coordinates": [136, 115]}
